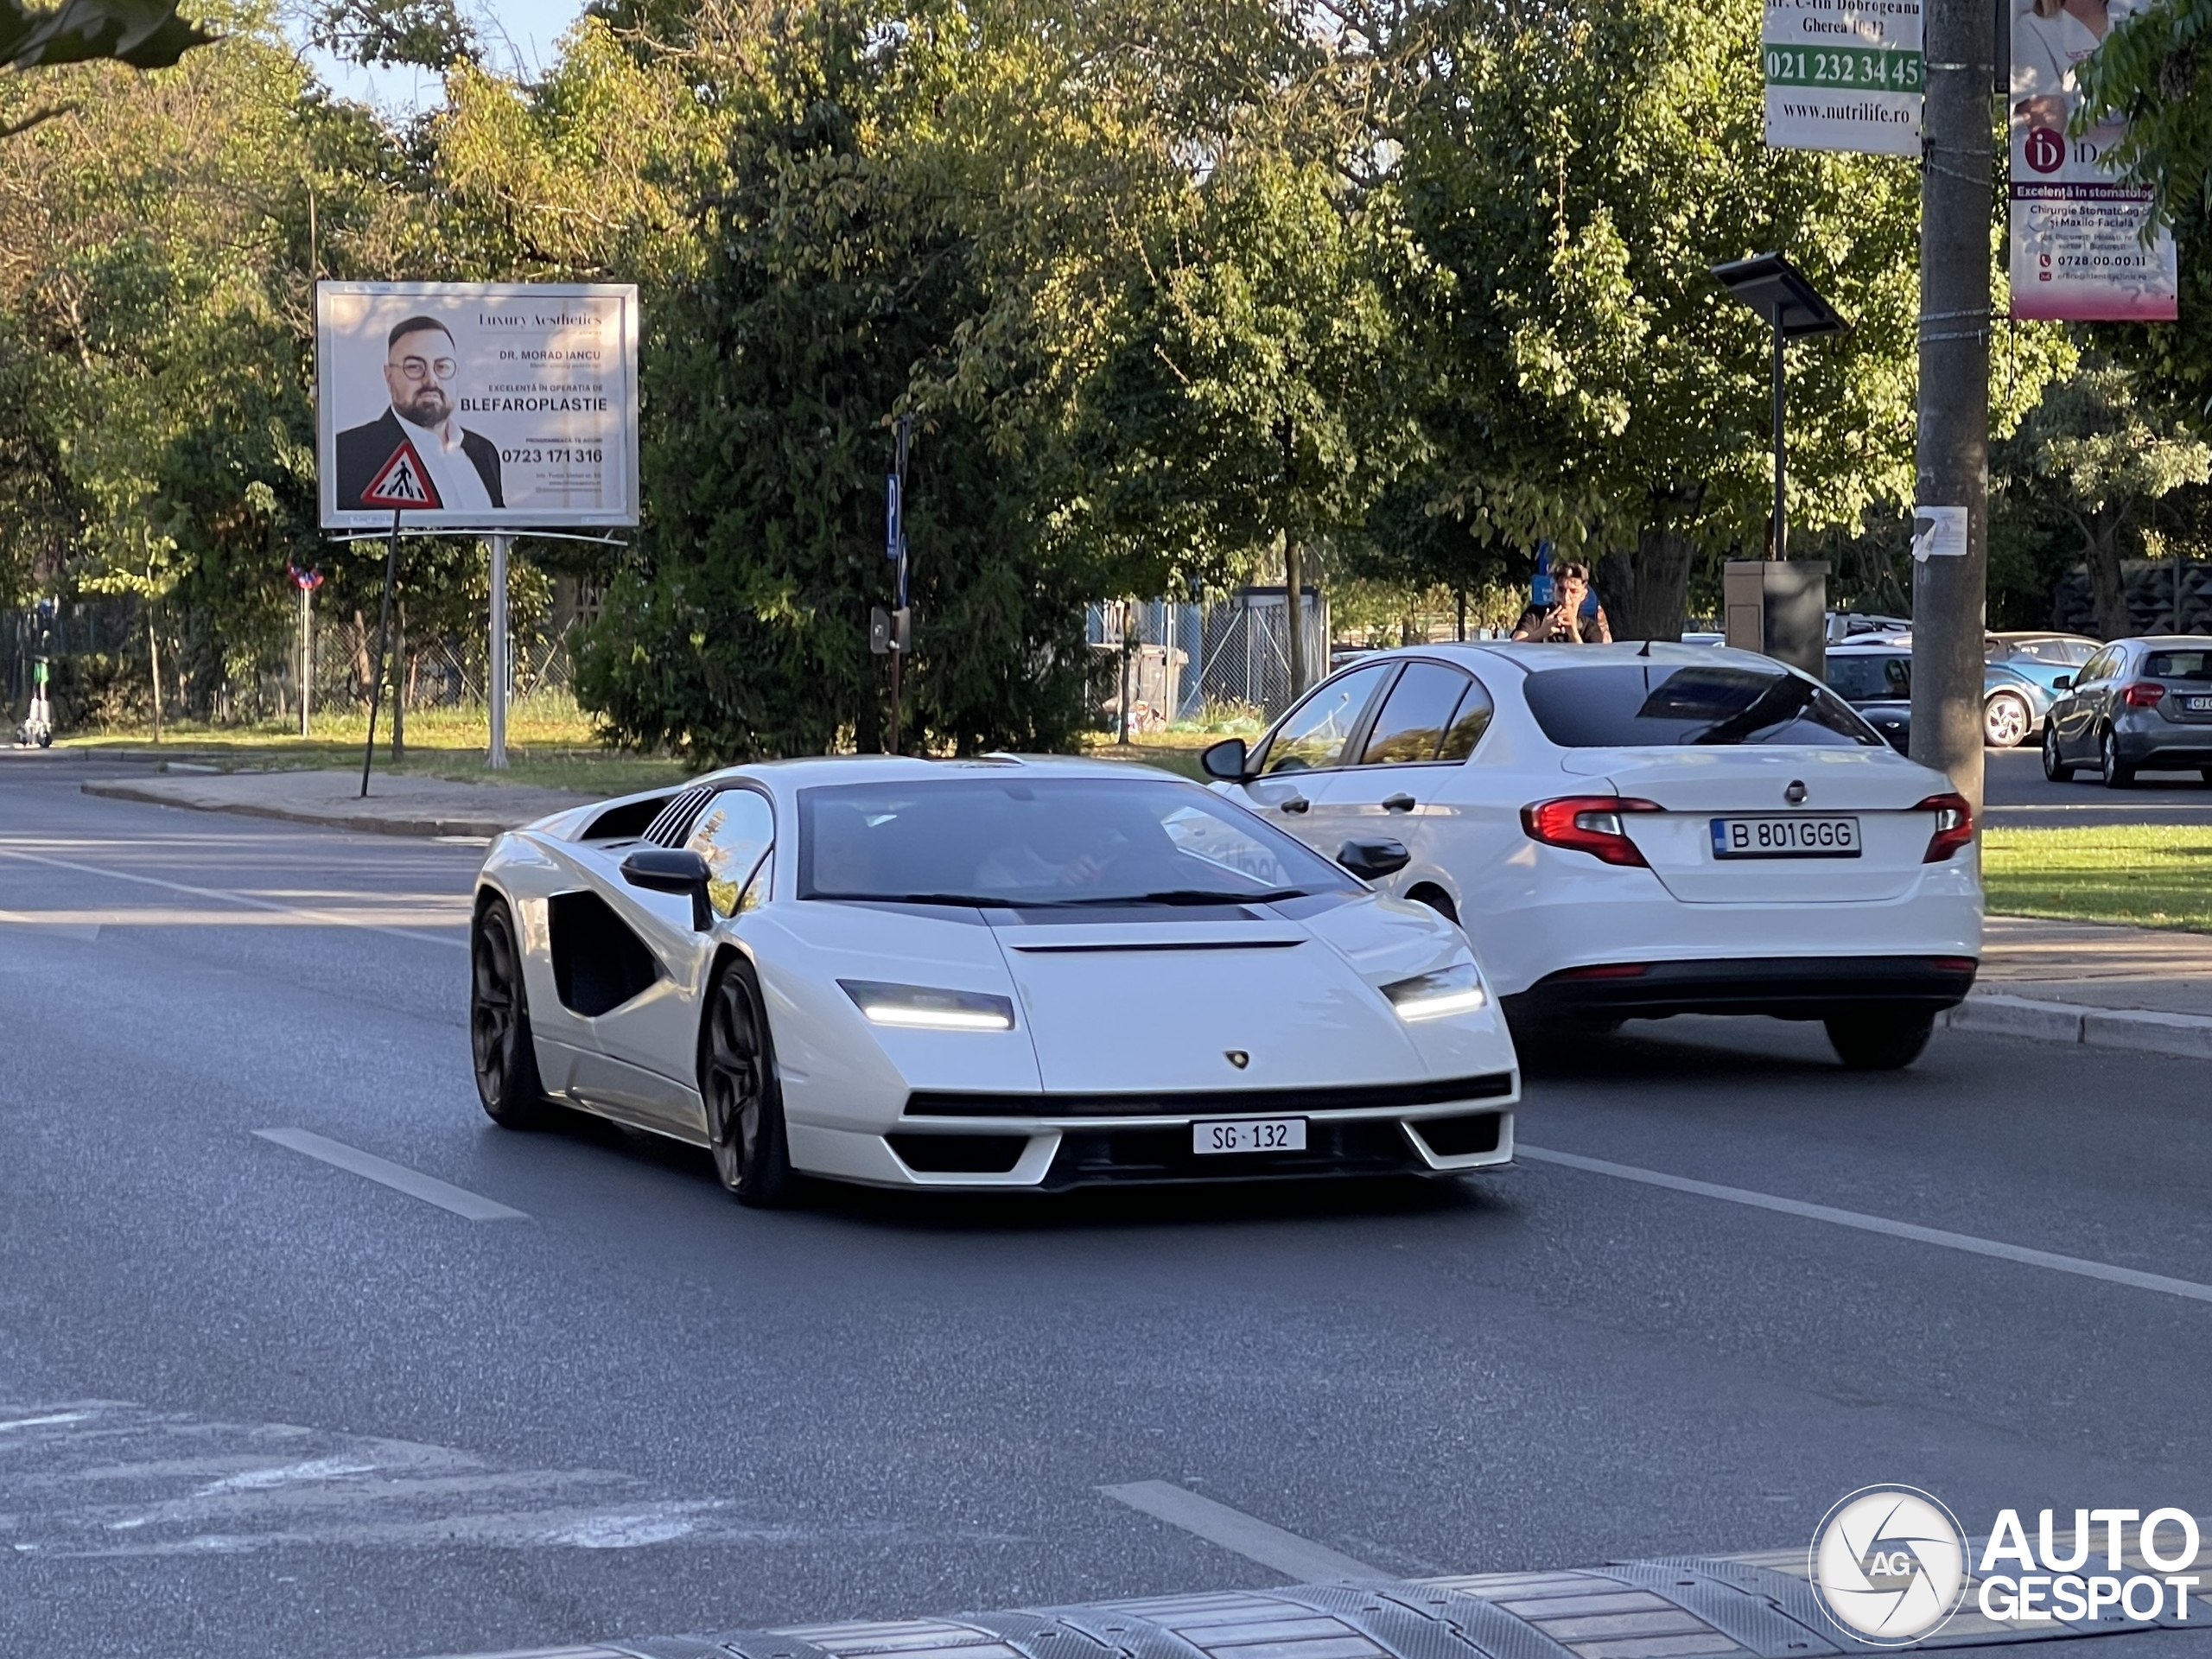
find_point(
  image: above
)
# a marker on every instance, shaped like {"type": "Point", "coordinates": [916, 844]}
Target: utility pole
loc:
{"type": "Point", "coordinates": [1951, 520]}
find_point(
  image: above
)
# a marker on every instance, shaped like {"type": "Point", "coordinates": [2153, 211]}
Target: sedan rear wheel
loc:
{"type": "Point", "coordinates": [2006, 721]}
{"type": "Point", "coordinates": [745, 1105]}
{"type": "Point", "coordinates": [2118, 773]}
{"type": "Point", "coordinates": [1880, 1039]}
{"type": "Point", "coordinates": [499, 1022]}
{"type": "Point", "coordinates": [2053, 768]}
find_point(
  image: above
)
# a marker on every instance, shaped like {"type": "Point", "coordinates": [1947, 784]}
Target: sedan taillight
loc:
{"type": "Point", "coordinates": [1953, 826]}
{"type": "Point", "coordinates": [1588, 823]}
{"type": "Point", "coordinates": [2144, 694]}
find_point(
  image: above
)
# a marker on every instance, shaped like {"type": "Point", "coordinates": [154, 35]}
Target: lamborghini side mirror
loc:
{"type": "Point", "coordinates": [672, 869]}
{"type": "Point", "coordinates": [1226, 761]}
{"type": "Point", "coordinates": [1370, 860]}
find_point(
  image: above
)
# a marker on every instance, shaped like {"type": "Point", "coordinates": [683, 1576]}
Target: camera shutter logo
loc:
{"type": "Point", "coordinates": [1889, 1564]}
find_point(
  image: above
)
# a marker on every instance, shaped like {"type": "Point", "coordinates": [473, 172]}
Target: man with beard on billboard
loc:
{"type": "Point", "coordinates": [419, 371]}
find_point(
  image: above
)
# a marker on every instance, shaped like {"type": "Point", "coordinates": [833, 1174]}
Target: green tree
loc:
{"type": "Point", "coordinates": [2092, 453]}
{"type": "Point", "coordinates": [842, 282]}
{"type": "Point", "coordinates": [1578, 170]}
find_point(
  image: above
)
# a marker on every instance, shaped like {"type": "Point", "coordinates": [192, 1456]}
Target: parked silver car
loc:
{"type": "Point", "coordinates": [2138, 705]}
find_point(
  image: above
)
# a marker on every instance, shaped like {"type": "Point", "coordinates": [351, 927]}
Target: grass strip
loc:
{"type": "Point", "coordinates": [2137, 875]}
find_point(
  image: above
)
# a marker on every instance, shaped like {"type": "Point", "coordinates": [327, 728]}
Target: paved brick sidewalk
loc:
{"type": "Point", "coordinates": [395, 805]}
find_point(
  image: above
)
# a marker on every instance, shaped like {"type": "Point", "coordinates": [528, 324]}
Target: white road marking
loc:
{"type": "Point", "coordinates": [41, 1422]}
{"type": "Point", "coordinates": [1966, 1242]}
{"type": "Point", "coordinates": [471, 1206]}
{"type": "Point", "coordinates": [106, 1479]}
{"type": "Point", "coordinates": [318, 918]}
{"type": "Point", "coordinates": [1300, 1559]}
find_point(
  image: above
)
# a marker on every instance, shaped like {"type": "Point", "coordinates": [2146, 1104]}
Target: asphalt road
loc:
{"type": "Point", "coordinates": [2015, 792]}
{"type": "Point", "coordinates": [252, 1404]}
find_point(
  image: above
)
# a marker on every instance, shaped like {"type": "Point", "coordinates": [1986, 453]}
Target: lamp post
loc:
{"type": "Point", "coordinates": [1778, 291]}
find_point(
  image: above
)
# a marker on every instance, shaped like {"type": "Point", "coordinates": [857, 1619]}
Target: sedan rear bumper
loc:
{"type": "Point", "coordinates": [1789, 988]}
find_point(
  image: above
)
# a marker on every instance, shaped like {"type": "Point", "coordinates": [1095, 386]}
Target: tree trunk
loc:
{"type": "Point", "coordinates": [2100, 552]}
{"type": "Point", "coordinates": [1645, 592]}
{"type": "Point", "coordinates": [1293, 616]}
{"type": "Point", "coordinates": [153, 661]}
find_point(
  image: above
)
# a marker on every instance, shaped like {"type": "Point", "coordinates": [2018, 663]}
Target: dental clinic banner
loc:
{"type": "Point", "coordinates": [477, 405]}
{"type": "Point", "coordinates": [2079, 251]}
{"type": "Point", "coordinates": [1843, 74]}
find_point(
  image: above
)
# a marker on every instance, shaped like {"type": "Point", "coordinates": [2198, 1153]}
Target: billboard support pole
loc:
{"type": "Point", "coordinates": [497, 760]}
{"type": "Point", "coordinates": [383, 641]}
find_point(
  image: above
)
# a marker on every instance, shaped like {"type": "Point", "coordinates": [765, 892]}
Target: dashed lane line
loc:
{"type": "Point", "coordinates": [1256, 1540]}
{"type": "Point", "coordinates": [320, 917]}
{"type": "Point", "coordinates": [1866, 1224]}
{"type": "Point", "coordinates": [470, 1206]}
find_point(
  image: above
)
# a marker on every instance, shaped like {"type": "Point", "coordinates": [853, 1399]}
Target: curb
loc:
{"type": "Point", "coordinates": [2142, 1030]}
{"type": "Point", "coordinates": [375, 825]}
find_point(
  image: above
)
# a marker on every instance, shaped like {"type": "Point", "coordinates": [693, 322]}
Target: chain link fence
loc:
{"type": "Point", "coordinates": [1161, 660]}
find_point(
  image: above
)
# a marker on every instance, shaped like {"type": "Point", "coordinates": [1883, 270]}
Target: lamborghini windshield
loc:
{"type": "Point", "coordinates": [1068, 842]}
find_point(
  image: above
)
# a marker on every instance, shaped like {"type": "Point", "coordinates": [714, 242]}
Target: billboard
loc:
{"type": "Point", "coordinates": [1843, 74]}
{"type": "Point", "coordinates": [477, 405]}
{"type": "Point", "coordinates": [2079, 252]}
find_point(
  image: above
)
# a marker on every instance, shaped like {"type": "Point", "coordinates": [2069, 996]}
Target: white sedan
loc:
{"type": "Point", "coordinates": [1004, 973]}
{"type": "Point", "coordinates": [1632, 832]}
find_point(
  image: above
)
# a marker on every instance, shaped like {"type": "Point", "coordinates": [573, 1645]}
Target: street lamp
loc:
{"type": "Point", "coordinates": [1777, 290]}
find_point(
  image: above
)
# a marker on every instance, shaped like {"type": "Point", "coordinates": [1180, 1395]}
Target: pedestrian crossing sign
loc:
{"type": "Point", "coordinates": [403, 482]}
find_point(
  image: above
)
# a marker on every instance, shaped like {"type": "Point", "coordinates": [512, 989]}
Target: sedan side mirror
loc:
{"type": "Point", "coordinates": [672, 869]}
{"type": "Point", "coordinates": [1370, 860]}
{"type": "Point", "coordinates": [2063, 682]}
{"type": "Point", "coordinates": [1226, 761]}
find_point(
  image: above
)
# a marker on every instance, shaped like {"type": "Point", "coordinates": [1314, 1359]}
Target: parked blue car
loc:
{"type": "Point", "coordinates": [1875, 676]}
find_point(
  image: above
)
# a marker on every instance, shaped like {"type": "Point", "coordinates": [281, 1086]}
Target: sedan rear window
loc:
{"type": "Point", "coordinates": [1664, 705]}
{"type": "Point", "coordinates": [2178, 665]}
{"type": "Point", "coordinates": [1871, 679]}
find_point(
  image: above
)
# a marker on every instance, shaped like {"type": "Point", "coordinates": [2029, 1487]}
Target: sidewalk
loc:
{"type": "Point", "coordinates": [2148, 990]}
{"type": "Point", "coordinates": [395, 805]}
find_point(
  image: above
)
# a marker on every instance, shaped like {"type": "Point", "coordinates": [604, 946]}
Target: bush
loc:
{"type": "Point", "coordinates": [99, 691]}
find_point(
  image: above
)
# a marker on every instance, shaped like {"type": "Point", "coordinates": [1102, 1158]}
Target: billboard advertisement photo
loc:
{"type": "Point", "coordinates": [477, 405]}
{"type": "Point", "coordinates": [2080, 252]}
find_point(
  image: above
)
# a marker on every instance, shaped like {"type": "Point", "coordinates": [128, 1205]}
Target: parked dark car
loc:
{"type": "Point", "coordinates": [1877, 681]}
{"type": "Point", "coordinates": [2138, 705]}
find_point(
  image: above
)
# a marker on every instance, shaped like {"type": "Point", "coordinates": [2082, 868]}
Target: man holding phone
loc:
{"type": "Point", "coordinates": [1562, 622]}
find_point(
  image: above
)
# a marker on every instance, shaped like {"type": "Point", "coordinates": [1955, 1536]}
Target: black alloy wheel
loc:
{"type": "Point", "coordinates": [1880, 1039]}
{"type": "Point", "coordinates": [744, 1105]}
{"type": "Point", "coordinates": [2118, 773]}
{"type": "Point", "coordinates": [2054, 768]}
{"type": "Point", "coordinates": [499, 1022]}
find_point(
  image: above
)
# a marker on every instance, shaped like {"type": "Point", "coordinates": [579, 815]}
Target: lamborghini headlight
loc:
{"type": "Point", "coordinates": [919, 1007]}
{"type": "Point", "coordinates": [1456, 989]}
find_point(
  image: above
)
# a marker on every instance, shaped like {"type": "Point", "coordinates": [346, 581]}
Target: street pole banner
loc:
{"type": "Point", "coordinates": [1843, 74]}
{"type": "Point", "coordinates": [477, 405]}
{"type": "Point", "coordinates": [2079, 251]}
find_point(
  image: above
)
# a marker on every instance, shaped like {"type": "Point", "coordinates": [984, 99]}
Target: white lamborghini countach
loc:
{"type": "Point", "coordinates": [996, 974]}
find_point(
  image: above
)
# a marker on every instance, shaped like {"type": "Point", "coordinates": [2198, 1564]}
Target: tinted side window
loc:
{"type": "Point", "coordinates": [1416, 715]}
{"type": "Point", "coordinates": [1314, 734]}
{"type": "Point", "coordinates": [732, 834]}
{"type": "Point", "coordinates": [2098, 667]}
{"type": "Point", "coordinates": [1469, 721]}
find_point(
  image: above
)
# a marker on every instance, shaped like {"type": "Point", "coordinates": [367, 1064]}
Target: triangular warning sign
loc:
{"type": "Point", "coordinates": [403, 481]}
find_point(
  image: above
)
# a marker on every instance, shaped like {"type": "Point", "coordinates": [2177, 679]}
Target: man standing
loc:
{"type": "Point", "coordinates": [1564, 622]}
{"type": "Point", "coordinates": [419, 373]}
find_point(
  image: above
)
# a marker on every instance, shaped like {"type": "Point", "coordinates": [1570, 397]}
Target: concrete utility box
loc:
{"type": "Point", "coordinates": [1780, 607]}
